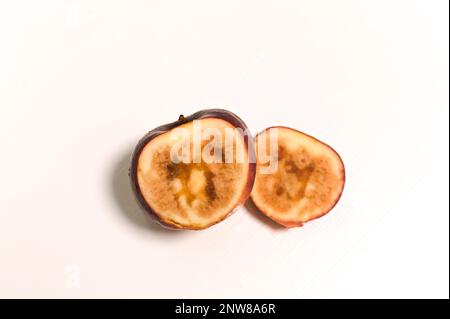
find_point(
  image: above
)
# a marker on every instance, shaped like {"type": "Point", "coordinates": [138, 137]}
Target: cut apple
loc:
{"type": "Point", "coordinates": [298, 177]}
{"type": "Point", "coordinates": [195, 172]}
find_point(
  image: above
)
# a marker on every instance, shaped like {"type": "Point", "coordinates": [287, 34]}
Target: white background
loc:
{"type": "Point", "coordinates": [81, 82]}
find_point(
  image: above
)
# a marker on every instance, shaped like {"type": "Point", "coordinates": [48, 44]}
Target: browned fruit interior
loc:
{"type": "Point", "coordinates": [192, 195]}
{"type": "Point", "coordinates": [307, 184]}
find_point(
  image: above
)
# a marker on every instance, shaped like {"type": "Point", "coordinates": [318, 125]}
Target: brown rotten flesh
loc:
{"type": "Point", "coordinates": [306, 179]}
{"type": "Point", "coordinates": [201, 187]}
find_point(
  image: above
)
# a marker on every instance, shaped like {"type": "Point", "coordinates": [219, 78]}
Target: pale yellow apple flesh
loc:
{"type": "Point", "coordinates": [193, 195]}
{"type": "Point", "coordinates": [307, 182]}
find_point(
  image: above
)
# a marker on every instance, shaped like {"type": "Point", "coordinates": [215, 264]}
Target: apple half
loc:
{"type": "Point", "coordinates": [190, 174]}
{"type": "Point", "coordinates": [298, 177]}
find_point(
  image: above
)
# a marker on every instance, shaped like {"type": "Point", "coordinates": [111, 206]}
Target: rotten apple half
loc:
{"type": "Point", "coordinates": [193, 173]}
{"type": "Point", "coordinates": [298, 179]}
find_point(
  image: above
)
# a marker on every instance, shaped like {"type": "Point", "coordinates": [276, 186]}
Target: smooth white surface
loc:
{"type": "Point", "coordinates": [81, 82]}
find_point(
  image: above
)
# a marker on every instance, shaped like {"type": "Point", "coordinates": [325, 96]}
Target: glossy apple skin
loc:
{"type": "Point", "coordinates": [203, 114]}
{"type": "Point", "coordinates": [300, 224]}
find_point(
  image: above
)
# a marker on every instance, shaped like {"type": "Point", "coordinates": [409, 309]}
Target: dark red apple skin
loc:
{"type": "Point", "coordinates": [344, 176]}
{"type": "Point", "coordinates": [203, 114]}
